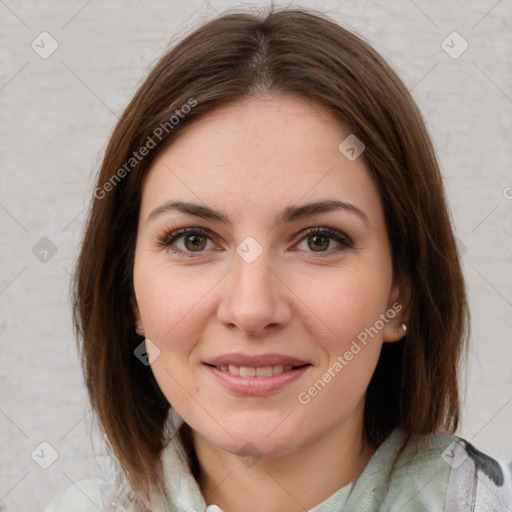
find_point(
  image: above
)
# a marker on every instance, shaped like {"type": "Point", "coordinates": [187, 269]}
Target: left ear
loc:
{"type": "Point", "coordinates": [398, 311]}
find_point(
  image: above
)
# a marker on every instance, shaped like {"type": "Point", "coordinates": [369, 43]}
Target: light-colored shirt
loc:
{"type": "Point", "coordinates": [441, 473]}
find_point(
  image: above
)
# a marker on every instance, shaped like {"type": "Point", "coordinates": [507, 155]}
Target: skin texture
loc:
{"type": "Point", "coordinates": [250, 159]}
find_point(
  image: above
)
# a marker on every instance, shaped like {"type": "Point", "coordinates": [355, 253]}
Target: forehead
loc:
{"type": "Point", "coordinates": [278, 130]}
{"type": "Point", "coordinates": [255, 154]}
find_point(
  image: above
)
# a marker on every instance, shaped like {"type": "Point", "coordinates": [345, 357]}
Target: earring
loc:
{"type": "Point", "coordinates": [404, 327]}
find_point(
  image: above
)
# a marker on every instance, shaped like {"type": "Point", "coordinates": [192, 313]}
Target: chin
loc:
{"type": "Point", "coordinates": [255, 442]}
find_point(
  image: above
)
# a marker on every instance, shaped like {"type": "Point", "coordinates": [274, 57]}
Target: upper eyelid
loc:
{"type": "Point", "coordinates": [179, 233]}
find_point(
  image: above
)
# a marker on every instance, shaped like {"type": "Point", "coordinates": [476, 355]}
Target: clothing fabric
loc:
{"type": "Point", "coordinates": [439, 473]}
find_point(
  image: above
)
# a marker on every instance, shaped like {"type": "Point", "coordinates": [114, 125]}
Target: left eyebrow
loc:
{"type": "Point", "coordinates": [292, 213]}
{"type": "Point", "coordinates": [289, 214]}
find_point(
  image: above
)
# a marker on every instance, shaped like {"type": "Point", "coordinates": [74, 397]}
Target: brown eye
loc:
{"type": "Point", "coordinates": [194, 242]}
{"type": "Point", "coordinates": [186, 241]}
{"type": "Point", "coordinates": [319, 240]}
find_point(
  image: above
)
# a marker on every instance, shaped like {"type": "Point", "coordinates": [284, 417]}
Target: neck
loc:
{"type": "Point", "coordinates": [282, 483]}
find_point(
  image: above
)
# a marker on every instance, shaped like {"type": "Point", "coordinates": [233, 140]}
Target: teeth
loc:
{"type": "Point", "coordinates": [235, 370]}
{"type": "Point", "coordinates": [264, 371]}
{"type": "Point", "coordinates": [246, 371]}
{"type": "Point", "coordinates": [260, 371]}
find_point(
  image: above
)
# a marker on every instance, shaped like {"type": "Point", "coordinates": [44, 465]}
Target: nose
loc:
{"type": "Point", "coordinates": [256, 299]}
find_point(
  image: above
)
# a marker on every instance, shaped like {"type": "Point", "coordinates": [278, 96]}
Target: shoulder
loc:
{"type": "Point", "coordinates": [88, 495]}
{"type": "Point", "coordinates": [445, 473]}
{"type": "Point", "coordinates": [477, 480]}
{"type": "Point", "coordinates": [417, 473]}
{"type": "Point", "coordinates": [84, 496]}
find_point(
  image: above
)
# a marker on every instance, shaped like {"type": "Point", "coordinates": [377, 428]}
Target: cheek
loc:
{"type": "Point", "coordinates": [346, 305]}
{"type": "Point", "coordinates": [171, 303]}
{"type": "Point", "coordinates": [346, 308]}
{"type": "Point", "coordinates": [174, 319]}
{"type": "Point", "coordinates": [345, 302]}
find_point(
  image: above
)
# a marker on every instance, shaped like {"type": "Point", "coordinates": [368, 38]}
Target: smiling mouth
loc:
{"type": "Point", "coordinates": [259, 371]}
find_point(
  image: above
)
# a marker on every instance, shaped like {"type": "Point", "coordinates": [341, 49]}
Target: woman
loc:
{"type": "Point", "coordinates": [268, 297]}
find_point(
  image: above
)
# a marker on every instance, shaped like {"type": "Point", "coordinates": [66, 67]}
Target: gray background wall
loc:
{"type": "Point", "coordinates": [57, 113]}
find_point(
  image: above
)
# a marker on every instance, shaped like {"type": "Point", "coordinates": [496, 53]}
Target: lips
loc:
{"type": "Point", "coordinates": [257, 380]}
{"type": "Point", "coordinates": [255, 361]}
{"type": "Point", "coordinates": [265, 366]}
{"type": "Point", "coordinates": [255, 371]}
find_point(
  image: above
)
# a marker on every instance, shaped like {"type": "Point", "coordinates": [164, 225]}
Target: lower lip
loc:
{"type": "Point", "coordinates": [257, 385]}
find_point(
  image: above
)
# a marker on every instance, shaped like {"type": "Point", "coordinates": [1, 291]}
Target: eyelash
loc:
{"type": "Point", "coordinates": [167, 240]}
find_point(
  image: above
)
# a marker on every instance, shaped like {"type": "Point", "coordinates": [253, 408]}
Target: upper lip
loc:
{"type": "Point", "coordinates": [239, 359]}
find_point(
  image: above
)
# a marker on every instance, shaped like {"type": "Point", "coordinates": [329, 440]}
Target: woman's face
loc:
{"type": "Point", "coordinates": [252, 288]}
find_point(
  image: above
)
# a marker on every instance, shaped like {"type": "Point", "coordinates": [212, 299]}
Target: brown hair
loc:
{"type": "Point", "coordinates": [298, 52]}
